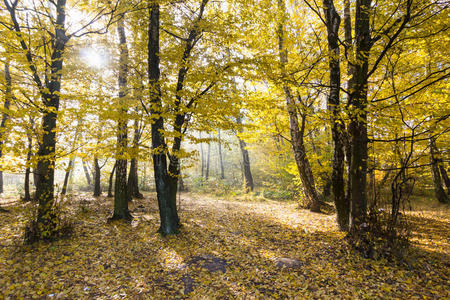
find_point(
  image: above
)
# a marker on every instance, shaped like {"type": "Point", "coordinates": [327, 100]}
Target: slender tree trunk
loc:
{"type": "Point", "coordinates": [27, 196]}
{"type": "Point", "coordinates": [133, 183]}
{"type": "Point", "coordinates": [166, 192]}
{"type": "Point", "coordinates": [246, 170]}
{"type": "Point", "coordinates": [341, 202]}
{"type": "Point", "coordinates": [66, 177]}
{"type": "Point", "coordinates": [297, 132]}
{"type": "Point", "coordinates": [202, 155]}
{"type": "Point", "coordinates": [222, 171]}
{"type": "Point", "coordinates": [97, 178]}
{"type": "Point", "coordinates": [208, 160]}
{"type": "Point", "coordinates": [86, 172]}
{"type": "Point", "coordinates": [439, 192]}
{"type": "Point", "coordinates": [5, 115]}
{"type": "Point", "coordinates": [121, 189]}
{"type": "Point", "coordinates": [111, 176]}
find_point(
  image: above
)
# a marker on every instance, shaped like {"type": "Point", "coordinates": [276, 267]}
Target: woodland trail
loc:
{"type": "Point", "coordinates": [230, 249]}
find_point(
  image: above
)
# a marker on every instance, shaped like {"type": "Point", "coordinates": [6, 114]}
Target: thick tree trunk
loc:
{"type": "Point", "coordinates": [439, 192]}
{"type": "Point", "coordinates": [358, 117]}
{"type": "Point", "coordinates": [296, 132]}
{"type": "Point", "coordinates": [86, 172]}
{"type": "Point", "coordinates": [97, 178]}
{"type": "Point", "coordinates": [246, 170]}
{"type": "Point", "coordinates": [121, 188]}
{"type": "Point", "coordinates": [222, 171]}
{"type": "Point", "coordinates": [445, 178]}
{"type": "Point", "coordinates": [110, 185]}
{"type": "Point", "coordinates": [337, 128]}
{"type": "Point", "coordinates": [165, 187]}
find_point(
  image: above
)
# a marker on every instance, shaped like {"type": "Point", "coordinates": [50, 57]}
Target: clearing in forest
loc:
{"type": "Point", "coordinates": [230, 249]}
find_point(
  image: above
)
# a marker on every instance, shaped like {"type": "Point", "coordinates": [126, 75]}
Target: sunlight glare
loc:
{"type": "Point", "coordinates": [93, 57]}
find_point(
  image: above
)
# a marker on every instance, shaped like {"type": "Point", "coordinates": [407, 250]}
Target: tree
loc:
{"type": "Point", "coordinates": [121, 187]}
{"type": "Point", "coordinates": [5, 114]}
{"type": "Point", "coordinates": [297, 128]}
{"type": "Point", "coordinates": [248, 178]}
{"type": "Point", "coordinates": [332, 20]}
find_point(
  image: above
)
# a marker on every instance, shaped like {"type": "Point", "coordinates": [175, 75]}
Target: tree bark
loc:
{"type": "Point", "coordinates": [439, 192]}
{"type": "Point", "coordinates": [222, 171]}
{"type": "Point", "coordinates": [97, 178]}
{"type": "Point", "coordinates": [358, 116]}
{"type": "Point", "coordinates": [166, 192]}
{"type": "Point", "coordinates": [27, 196]}
{"type": "Point", "coordinates": [111, 176]}
{"type": "Point", "coordinates": [337, 126]}
{"type": "Point", "coordinates": [121, 188]}
{"type": "Point", "coordinates": [296, 132]}
{"type": "Point", "coordinates": [5, 115]}
{"type": "Point", "coordinates": [208, 156]}
{"type": "Point", "coordinates": [66, 177]}
{"type": "Point", "coordinates": [247, 173]}
{"type": "Point", "coordinates": [133, 183]}
{"type": "Point", "coordinates": [202, 156]}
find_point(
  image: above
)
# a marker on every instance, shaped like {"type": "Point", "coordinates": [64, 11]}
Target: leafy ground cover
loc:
{"type": "Point", "coordinates": [227, 249]}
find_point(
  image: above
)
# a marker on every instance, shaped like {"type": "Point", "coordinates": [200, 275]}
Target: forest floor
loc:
{"type": "Point", "coordinates": [226, 249]}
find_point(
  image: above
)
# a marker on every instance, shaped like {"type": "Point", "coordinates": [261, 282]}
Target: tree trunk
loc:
{"type": "Point", "coordinates": [165, 189]}
{"type": "Point", "coordinates": [358, 116]}
{"type": "Point", "coordinates": [341, 202]}
{"type": "Point", "coordinates": [208, 160]}
{"type": "Point", "coordinates": [247, 173]}
{"type": "Point", "coordinates": [27, 196]}
{"type": "Point", "coordinates": [111, 176]}
{"type": "Point", "coordinates": [97, 178]}
{"type": "Point", "coordinates": [121, 189]}
{"type": "Point", "coordinates": [296, 132]}
{"type": "Point", "coordinates": [86, 172]}
{"type": "Point", "coordinates": [5, 115]}
{"type": "Point", "coordinates": [66, 177]}
{"type": "Point", "coordinates": [222, 171]}
{"type": "Point", "coordinates": [439, 192]}
{"type": "Point", "coordinates": [202, 155]}
{"type": "Point", "coordinates": [133, 183]}
{"type": "Point", "coordinates": [445, 178]}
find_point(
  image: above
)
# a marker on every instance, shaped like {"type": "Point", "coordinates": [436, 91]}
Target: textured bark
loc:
{"type": "Point", "coordinates": [439, 191]}
{"type": "Point", "coordinates": [358, 117]}
{"type": "Point", "coordinates": [247, 172]}
{"type": "Point", "coordinates": [445, 178]}
{"type": "Point", "coordinates": [97, 178]}
{"type": "Point", "coordinates": [341, 202]}
{"type": "Point", "coordinates": [5, 115]}
{"type": "Point", "coordinates": [167, 174]}
{"type": "Point", "coordinates": [165, 191]}
{"type": "Point", "coordinates": [110, 185]}
{"type": "Point", "coordinates": [219, 145]}
{"type": "Point", "coordinates": [121, 187]}
{"type": "Point", "coordinates": [202, 156]}
{"type": "Point", "coordinates": [296, 130]}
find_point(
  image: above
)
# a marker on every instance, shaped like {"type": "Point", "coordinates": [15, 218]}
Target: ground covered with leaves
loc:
{"type": "Point", "coordinates": [226, 249]}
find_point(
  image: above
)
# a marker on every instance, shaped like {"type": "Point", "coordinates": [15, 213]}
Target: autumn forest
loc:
{"type": "Point", "coordinates": [231, 149]}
